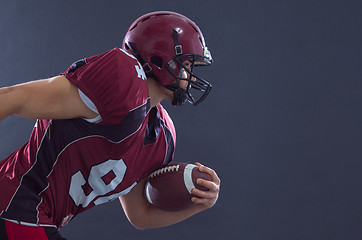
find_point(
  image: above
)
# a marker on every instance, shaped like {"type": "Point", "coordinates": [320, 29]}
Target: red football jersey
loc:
{"type": "Point", "coordinates": [69, 166]}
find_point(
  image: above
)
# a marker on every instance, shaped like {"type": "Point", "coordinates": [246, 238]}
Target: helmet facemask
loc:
{"type": "Point", "coordinates": [197, 88]}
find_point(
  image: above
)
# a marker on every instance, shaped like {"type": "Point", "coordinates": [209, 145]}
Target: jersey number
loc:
{"type": "Point", "coordinates": [96, 183]}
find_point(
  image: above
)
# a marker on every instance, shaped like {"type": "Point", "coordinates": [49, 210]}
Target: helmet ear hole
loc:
{"type": "Point", "coordinates": [157, 61]}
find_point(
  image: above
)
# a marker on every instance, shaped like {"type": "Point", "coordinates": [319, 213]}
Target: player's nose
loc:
{"type": "Point", "coordinates": [186, 75]}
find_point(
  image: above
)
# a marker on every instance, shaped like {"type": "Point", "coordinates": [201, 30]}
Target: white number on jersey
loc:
{"type": "Point", "coordinates": [97, 184]}
{"type": "Point", "coordinates": [141, 73]}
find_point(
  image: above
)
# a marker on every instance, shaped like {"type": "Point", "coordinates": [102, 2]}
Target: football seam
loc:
{"type": "Point", "coordinates": [164, 170]}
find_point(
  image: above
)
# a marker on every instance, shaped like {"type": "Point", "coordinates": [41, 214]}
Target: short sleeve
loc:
{"type": "Point", "coordinates": [111, 83]}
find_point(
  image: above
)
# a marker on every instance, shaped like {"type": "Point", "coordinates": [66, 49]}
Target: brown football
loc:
{"type": "Point", "coordinates": [169, 188]}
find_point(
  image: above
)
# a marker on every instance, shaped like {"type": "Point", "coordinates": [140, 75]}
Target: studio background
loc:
{"type": "Point", "coordinates": [282, 125]}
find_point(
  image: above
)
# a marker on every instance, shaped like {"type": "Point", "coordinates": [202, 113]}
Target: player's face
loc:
{"type": "Point", "coordinates": [184, 84]}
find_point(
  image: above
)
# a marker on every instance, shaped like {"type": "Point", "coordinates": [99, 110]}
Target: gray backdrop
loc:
{"type": "Point", "coordinates": [282, 126]}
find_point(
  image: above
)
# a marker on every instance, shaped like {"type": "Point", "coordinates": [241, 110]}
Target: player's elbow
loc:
{"type": "Point", "coordinates": [143, 220]}
{"type": "Point", "coordinates": [139, 223]}
{"type": "Point", "coordinates": [140, 227]}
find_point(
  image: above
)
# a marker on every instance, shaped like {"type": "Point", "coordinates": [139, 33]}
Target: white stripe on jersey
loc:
{"type": "Point", "coordinates": [91, 106]}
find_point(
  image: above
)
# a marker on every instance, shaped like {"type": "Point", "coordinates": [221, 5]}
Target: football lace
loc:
{"type": "Point", "coordinates": [164, 170]}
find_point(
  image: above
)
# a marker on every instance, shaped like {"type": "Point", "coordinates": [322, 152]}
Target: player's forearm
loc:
{"type": "Point", "coordinates": [143, 215]}
{"type": "Point", "coordinates": [156, 218]}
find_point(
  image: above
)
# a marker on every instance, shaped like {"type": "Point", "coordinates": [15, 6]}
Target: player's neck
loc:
{"type": "Point", "coordinates": [157, 92]}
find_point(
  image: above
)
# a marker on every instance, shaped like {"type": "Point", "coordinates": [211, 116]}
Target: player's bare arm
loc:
{"type": "Point", "coordinates": [53, 98]}
{"type": "Point", "coordinates": [143, 215]}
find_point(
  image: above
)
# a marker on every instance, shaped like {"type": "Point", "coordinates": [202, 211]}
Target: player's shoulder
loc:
{"type": "Point", "coordinates": [114, 82]}
{"type": "Point", "coordinates": [119, 52]}
{"type": "Point", "coordinates": [115, 55]}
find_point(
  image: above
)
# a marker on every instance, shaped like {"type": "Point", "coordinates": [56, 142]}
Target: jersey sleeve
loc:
{"type": "Point", "coordinates": [111, 83]}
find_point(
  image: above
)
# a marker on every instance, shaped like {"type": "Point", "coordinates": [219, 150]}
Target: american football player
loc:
{"type": "Point", "coordinates": [101, 130]}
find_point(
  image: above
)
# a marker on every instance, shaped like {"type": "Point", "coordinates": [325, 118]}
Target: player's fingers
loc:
{"type": "Point", "coordinates": [211, 172]}
{"type": "Point", "coordinates": [205, 201]}
{"type": "Point", "coordinates": [208, 184]}
{"type": "Point", "coordinates": [204, 194]}
{"type": "Point", "coordinates": [197, 200]}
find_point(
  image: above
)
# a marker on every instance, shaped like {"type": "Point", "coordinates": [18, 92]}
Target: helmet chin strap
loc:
{"type": "Point", "coordinates": [180, 95]}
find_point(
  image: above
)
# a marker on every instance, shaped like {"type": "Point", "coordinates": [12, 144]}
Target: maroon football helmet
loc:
{"type": "Point", "coordinates": [169, 46]}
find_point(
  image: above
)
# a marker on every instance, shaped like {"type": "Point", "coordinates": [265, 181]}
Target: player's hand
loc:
{"type": "Point", "coordinates": [207, 198]}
